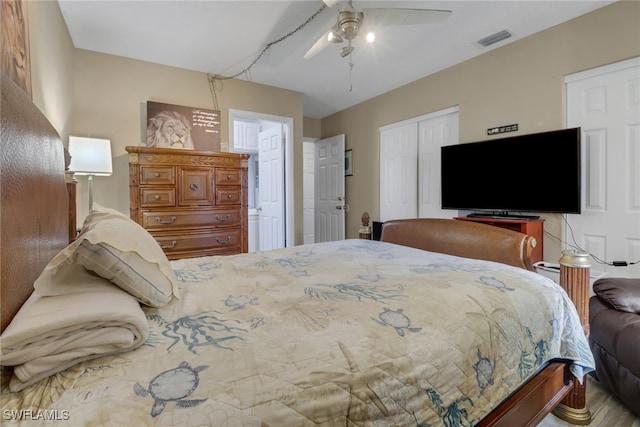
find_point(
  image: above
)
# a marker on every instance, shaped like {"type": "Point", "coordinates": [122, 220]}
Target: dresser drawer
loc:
{"type": "Point", "coordinates": [157, 175]}
{"type": "Point", "coordinates": [216, 241]}
{"type": "Point", "coordinates": [228, 196]}
{"type": "Point", "coordinates": [183, 219]}
{"type": "Point", "coordinates": [195, 186]}
{"type": "Point", "coordinates": [227, 176]}
{"type": "Point", "coordinates": [157, 197]}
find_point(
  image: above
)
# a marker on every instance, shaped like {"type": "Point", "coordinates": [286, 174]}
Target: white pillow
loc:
{"type": "Point", "coordinates": [113, 246]}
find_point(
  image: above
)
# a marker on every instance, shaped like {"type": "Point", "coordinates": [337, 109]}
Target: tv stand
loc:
{"type": "Point", "coordinates": [502, 215]}
{"type": "Point", "coordinates": [532, 226]}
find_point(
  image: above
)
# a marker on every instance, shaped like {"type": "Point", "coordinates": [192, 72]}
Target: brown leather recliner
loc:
{"type": "Point", "coordinates": [614, 318]}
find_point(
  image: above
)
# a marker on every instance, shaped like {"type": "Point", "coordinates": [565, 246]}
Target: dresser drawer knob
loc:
{"type": "Point", "coordinates": [156, 174]}
{"type": "Point", "coordinates": [223, 241]}
{"type": "Point", "coordinates": [157, 197]}
{"type": "Point", "coordinates": [169, 246]}
{"type": "Point", "coordinates": [222, 218]}
{"type": "Point", "coordinates": [194, 186]}
{"type": "Point", "coordinates": [229, 196]}
{"type": "Point", "coordinates": [229, 177]}
{"type": "Point", "coordinates": [168, 221]}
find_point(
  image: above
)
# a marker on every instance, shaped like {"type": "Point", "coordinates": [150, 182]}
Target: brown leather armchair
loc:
{"type": "Point", "coordinates": [615, 337]}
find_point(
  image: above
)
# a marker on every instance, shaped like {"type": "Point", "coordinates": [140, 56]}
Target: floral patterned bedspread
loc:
{"type": "Point", "coordinates": [316, 335]}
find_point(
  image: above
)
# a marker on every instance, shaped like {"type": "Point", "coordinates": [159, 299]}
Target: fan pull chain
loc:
{"type": "Point", "coordinates": [350, 66]}
{"type": "Point", "coordinates": [350, 69]}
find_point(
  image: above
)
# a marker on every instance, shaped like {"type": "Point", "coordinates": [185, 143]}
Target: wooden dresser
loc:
{"type": "Point", "coordinates": [193, 202]}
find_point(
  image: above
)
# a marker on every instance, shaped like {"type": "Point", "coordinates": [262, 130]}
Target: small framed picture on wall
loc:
{"type": "Point", "coordinates": [348, 162]}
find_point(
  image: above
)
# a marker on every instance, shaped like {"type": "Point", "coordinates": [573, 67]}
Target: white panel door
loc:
{"type": "Point", "coordinates": [329, 189]}
{"type": "Point", "coordinates": [272, 217]}
{"type": "Point", "coordinates": [605, 103]}
{"type": "Point", "coordinates": [433, 133]}
{"type": "Point", "coordinates": [308, 192]}
{"type": "Point", "coordinates": [398, 172]}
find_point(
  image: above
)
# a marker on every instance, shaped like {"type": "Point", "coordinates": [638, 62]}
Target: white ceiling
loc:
{"type": "Point", "coordinates": [225, 37]}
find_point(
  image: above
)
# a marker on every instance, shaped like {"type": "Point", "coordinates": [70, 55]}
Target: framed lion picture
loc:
{"type": "Point", "coordinates": [181, 127]}
{"type": "Point", "coordinates": [15, 43]}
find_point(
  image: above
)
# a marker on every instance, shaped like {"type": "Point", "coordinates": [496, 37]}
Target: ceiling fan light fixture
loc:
{"type": "Point", "coordinates": [349, 22]}
{"type": "Point", "coordinates": [371, 37]}
{"type": "Point", "coordinates": [346, 51]}
{"type": "Point", "coordinates": [334, 37]}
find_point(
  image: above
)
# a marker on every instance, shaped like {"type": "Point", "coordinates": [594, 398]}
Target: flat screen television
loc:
{"type": "Point", "coordinates": [536, 173]}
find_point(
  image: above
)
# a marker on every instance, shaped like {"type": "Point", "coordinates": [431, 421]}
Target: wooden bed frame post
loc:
{"type": "Point", "coordinates": [574, 278]}
{"type": "Point", "coordinates": [71, 181]}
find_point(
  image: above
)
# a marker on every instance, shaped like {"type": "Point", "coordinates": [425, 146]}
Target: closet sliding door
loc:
{"type": "Point", "coordinates": [398, 171]}
{"type": "Point", "coordinates": [410, 165]}
{"type": "Point", "coordinates": [433, 133]}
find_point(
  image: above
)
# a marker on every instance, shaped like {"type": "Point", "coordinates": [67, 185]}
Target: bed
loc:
{"type": "Point", "coordinates": [419, 329]}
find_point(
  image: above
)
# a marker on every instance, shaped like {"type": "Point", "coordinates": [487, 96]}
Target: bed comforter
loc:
{"type": "Point", "coordinates": [329, 334]}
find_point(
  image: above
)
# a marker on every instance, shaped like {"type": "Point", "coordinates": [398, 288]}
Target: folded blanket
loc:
{"type": "Point", "coordinates": [50, 334]}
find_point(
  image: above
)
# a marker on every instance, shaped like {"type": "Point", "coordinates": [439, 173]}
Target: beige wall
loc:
{"type": "Point", "coordinates": [518, 83]}
{"type": "Point", "coordinates": [312, 127]}
{"type": "Point", "coordinates": [51, 53]}
{"type": "Point", "coordinates": [110, 95]}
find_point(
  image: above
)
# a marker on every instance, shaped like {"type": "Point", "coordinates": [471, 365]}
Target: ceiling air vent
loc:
{"type": "Point", "coordinates": [494, 38]}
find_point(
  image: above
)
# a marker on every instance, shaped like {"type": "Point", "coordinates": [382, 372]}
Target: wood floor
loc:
{"type": "Point", "coordinates": [606, 410]}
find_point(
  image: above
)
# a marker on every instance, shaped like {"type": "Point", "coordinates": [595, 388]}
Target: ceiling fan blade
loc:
{"type": "Point", "coordinates": [330, 3]}
{"type": "Point", "coordinates": [318, 46]}
{"type": "Point", "coordinates": [396, 16]}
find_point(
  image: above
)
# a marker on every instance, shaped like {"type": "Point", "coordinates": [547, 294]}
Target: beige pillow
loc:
{"type": "Point", "coordinates": [113, 246]}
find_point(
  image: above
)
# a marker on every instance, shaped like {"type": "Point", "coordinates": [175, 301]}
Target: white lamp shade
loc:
{"type": "Point", "coordinates": [90, 156]}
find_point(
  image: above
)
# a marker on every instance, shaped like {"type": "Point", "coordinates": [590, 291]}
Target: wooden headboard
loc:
{"type": "Point", "coordinates": [34, 201]}
{"type": "Point", "coordinates": [462, 238]}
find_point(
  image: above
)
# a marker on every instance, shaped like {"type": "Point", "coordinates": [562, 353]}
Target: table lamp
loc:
{"type": "Point", "coordinates": [91, 157]}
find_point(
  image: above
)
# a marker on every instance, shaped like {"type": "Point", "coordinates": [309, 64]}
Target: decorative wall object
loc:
{"type": "Point", "coordinates": [502, 129]}
{"type": "Point", "coordinates": [15, 43]}
{"type": "Point", "coordinates": [348, 162]}
{"type": "Point", "coordinates": [176, 126]}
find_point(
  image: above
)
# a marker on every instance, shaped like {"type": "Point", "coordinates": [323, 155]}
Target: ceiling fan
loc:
{"type": "Point", "coordinates": [351, 23]}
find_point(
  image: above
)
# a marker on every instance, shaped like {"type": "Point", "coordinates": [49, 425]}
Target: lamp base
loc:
{"type": "Point", "coordinates": [90, 179]}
